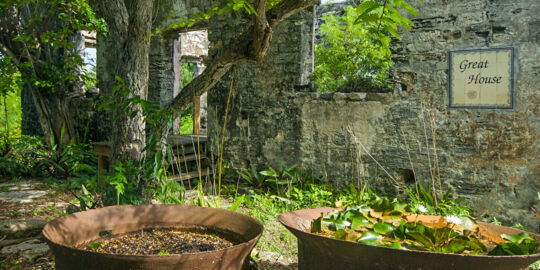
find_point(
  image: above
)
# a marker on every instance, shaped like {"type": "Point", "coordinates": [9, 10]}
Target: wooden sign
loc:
{"type": "Point", "coordinates": [481, 78]}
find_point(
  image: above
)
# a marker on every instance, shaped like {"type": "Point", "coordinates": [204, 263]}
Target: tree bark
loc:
{"type": "Point", "coordinates": [55, 115]}
{"type": "Point", "coordinates": [129, 24]}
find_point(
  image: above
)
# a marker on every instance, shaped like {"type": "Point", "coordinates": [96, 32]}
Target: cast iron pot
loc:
{"type": "Point", "coordinates": [66, 232]}
{"type": "Point", "coordinates": [319, 252]}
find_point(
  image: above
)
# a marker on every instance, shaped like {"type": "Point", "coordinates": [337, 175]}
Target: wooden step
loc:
{"type": "Point", "coordinates": [187, 139]}
{"type": "Point", "coordinates": [186, 158]}
{"type": "Point", "coordinates": [179, 150]}
{"type": "Point", "coordinates": [189, 175]}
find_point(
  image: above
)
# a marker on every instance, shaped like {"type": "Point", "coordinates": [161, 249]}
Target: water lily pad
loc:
{"type": "Point", "coordinates": [518, 238]}
{"type": "Point", "coordinates": [454, 246]}
{"type": "Point", "coordinates": [359, 221]}
{"type": "Point", "coordinates": [369, 237]}
{"type": "Point", "coordinates": [383, 228]}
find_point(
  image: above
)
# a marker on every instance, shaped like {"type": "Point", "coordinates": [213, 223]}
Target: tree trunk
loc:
{"type": "Point", "coordinates": [53, 109]}
{"type": "Point", "coordinates": [129, 24]}
{"type": "Point", "coordinates": [55, 116]}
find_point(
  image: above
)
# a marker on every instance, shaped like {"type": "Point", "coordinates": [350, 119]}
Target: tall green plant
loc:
{"type": "Point", "coordinates": [354, 51]}
{"type": "Point", "coordinates": [10, 88]}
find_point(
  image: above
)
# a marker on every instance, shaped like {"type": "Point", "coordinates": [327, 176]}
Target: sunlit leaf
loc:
{"type": "Point", "coordinates": [369, 237]}
{"type": "Point", "coordinates": [359, 221]}
{"type": "Point", "coordinates": [383, 228]}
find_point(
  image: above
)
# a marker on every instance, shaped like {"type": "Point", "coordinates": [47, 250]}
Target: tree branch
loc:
{"type": "Point", "coordinates": [262, 32]}
{"type": "Point", "coordinates": [248, 47]}
{"type": "Point", "coordinates": [287, 8]}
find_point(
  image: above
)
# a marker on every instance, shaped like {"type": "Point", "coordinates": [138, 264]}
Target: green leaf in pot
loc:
{"type": "Point", "coordinates": [383, 228]}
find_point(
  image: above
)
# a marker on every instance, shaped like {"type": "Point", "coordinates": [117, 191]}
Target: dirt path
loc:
{"type": "Point", "coordinates": [25, 207]}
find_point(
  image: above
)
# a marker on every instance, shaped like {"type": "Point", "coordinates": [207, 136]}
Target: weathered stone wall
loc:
{"type": "Point", "coordinates": [263, 121]}
{"type": "Point", "coordinates": [163, 85]}
{"type": "Point", "coordinates": [488, 156]}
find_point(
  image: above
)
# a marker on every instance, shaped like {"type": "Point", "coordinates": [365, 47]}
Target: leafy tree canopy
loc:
{"type": "Point", "coordinates": [38, 36]}
{"type": "Point", "coordinates": [354, 50]}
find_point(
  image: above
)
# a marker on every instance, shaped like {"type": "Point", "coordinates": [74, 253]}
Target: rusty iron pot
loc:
{"type": "Point", "coordinates": [319, 252]}
{"type": "Point", "coordinates": [63, 234]}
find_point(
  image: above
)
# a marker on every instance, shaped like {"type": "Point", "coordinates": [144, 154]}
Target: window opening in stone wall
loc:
{"type": "Point", "coordinates": [349, 57]}
{"type": "Point", "coordinates": [190, 51]}
{"type": "Point", "coordinates": [89, 55]}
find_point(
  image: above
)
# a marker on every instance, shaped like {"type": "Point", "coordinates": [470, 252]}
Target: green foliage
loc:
{"type": "Point", "coordinates": [278, 181]}
{"type": "Point", "coordinates": [63, 162]}
{"type": "Point", "coordinates": [150, 172]}
{"type": "Point", "coordinates": [165, 190]}
{"type": "Point", "coordinates": [311, 195]}
{"type": "Point", "coordinates": [186, 124]}
{"type": "Point", "coordinates": [422, 202]}
{"type": "Point", "coordinates": [350, 52]}
{"type": "Point", "coordinates": [187, 74]}
{"type": "Point", "coordinates": [283, 178]}
{"type": "Point", "coordinates": [519, 244]}
{"type": "Point", "coordinates": [10, 77]}
{"type": "Point", "coordinates": [90, 79]}
{"type": "Point", "coordinates": [354, 53]}
{"type": "Point", "coordinates": [186, 120]}
{"type": "Point", "coordinates": [48, 59]}
{"type": "Point", "coordinates": [123, 185]}
{"type": "Point", "coordinates": [87, 200]}
{"type": "Point", "coordinates": [28, 156]}
{"type": "Point", "coordinates": [95, 245]}
{"type": "Point", "coordinates": [252, 178]}
{"type": "Point", "coordinates": [385, 223]}
{"type": "Point", "coordinates": [218, 9]}
{"type": "Point", "coordinates": [535, 266]}
{"type": "Point", "coordinates": [10, 102]}
{"type": "Point", "coordinates": [22, 158]}
{"type": "Point", "coordinates": [11, 115]}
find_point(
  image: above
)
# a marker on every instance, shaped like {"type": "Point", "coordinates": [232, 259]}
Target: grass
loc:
{"type": "Point", "coordinates": [265, 208]}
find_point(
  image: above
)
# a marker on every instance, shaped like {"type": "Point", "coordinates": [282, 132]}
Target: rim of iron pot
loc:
{"type": "Point", "coordinates": [63, 247]}
{"type": "Point", "coordinates": [299, 223]}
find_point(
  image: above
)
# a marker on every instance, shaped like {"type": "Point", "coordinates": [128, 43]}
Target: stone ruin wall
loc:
{"type": "Point", "coordinates": [489, 156]}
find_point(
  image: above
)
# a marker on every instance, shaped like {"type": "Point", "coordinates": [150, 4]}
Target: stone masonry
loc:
{"type": "Point", "coordinates": [488, 156]}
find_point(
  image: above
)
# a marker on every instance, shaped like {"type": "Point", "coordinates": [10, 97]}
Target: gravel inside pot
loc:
{"type": "Point", "coordinates": [160, 241]}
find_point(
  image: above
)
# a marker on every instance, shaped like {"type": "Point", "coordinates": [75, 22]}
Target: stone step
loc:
{"type": "Point", "coordinates": [15, 226]}
{"type": "Point", "coordinates": [30, 249]}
